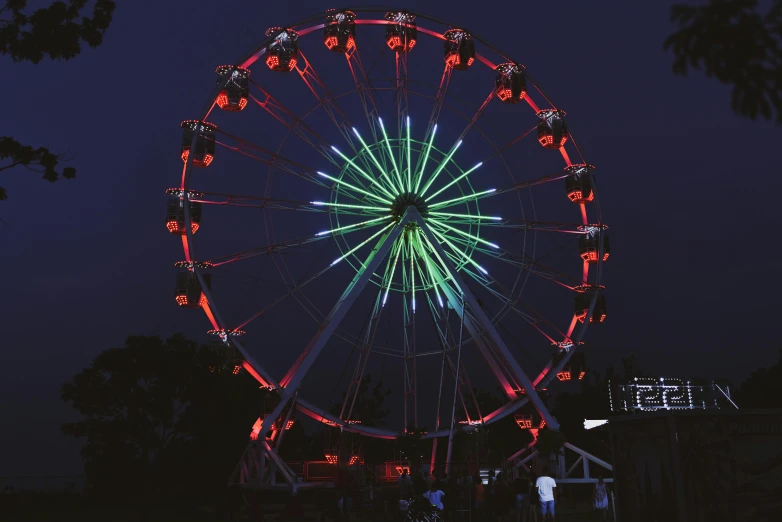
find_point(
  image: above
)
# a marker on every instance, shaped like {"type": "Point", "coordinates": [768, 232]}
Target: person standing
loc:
{"type": "Point", "coordinates": [405, 484]}
{"type": "Point", "coordinates": [600, 501]}
{"type": "Point", "coordinates": [546, 486]}
{"type": "Point", "coordinates": [435, 497]}
{"type": "Point", "coordinates": [521, 497]}
{"type": "Point", "coordinates": [531, 511]}
{"type": "Point", "coordinates": [480, 496]}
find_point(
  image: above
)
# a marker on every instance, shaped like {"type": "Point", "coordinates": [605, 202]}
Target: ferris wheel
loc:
{"type": "Point", "coordinates": [411, 195]}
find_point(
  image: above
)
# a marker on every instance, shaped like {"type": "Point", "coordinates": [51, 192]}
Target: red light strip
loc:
{"type": "Point", "coordinates": [565, 156]}
{"type": "Point", "coordinates": [256, 375]}
{"type": "Point", "coordinates": [211, 317]}
{"type": "Point", "coordinates": [530, 102]}
{"type": "Point", "coordinates": [186, 247]}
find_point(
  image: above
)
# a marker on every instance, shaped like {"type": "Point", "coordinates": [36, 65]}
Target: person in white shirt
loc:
{"type": "Point", "coordinates": [546, 486]}
{"type": "Point", "coordinates": [435, 497]}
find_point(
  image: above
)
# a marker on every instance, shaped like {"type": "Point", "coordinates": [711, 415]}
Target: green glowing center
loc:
{"type": "Point", "coordinates": [375, 188]}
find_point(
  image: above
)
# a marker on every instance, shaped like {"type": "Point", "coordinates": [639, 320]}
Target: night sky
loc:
{"type": "Point", "coordinates": [687, 188]}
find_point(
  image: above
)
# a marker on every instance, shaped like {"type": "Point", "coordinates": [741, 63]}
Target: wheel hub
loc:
{"type": "Point", "coordinates": [408, 199]}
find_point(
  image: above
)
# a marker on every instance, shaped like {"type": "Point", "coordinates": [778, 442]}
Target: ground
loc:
{"type": "Point", "coordinates": [73, 508]}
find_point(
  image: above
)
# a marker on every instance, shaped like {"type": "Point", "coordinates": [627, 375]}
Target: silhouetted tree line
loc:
{"type": "Point", "coordinates": [167, 417]}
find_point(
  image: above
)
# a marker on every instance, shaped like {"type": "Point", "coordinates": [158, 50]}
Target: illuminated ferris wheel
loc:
{"type": "Point", "coordinates": [428, 213]}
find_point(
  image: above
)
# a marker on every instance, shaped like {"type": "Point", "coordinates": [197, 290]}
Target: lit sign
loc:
{"type": "Point", "coordinates": [649, 394]}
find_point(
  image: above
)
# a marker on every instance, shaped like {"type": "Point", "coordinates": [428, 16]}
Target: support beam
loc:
{"type": "Point", "coordinates": [484, 320]}
{"type": "Point", "coordinates": [296, 374]}
{"type": "Point", "coordinates": [599, 462]}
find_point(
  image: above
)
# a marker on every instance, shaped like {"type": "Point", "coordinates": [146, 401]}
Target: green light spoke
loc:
{"type": "Point", "coordinates": [456, 201]}
{"type": "Point", "coordinates": [391, 155]}
{"type": "Point", "coordinates": [465, 234]}
{"type": "Point", "coordinates": [346, 205]}
{"type": "Point", "coordinates": [409, 166]}
{"type": "Point", "coordinates": [350, 227]}
{"type": "Point", "coordinates": [435, 279]}
{"type": "Point", "coordinates": [412, 267]}
{"type": "Point", "coordinates": [382, 170]}
{"type": "Point", "coordinates": [466, 216]}
{"type": "Point", "coordinates": [476, 247]}
{"type": "Point", "coordinates": [393, 268]}
{"type": "Point", "coordinates": [455, 180]}
{"type": "Point", "coordinates": [420, 174]}
{"type": "Point", "coordinates": [440, 168]}
{"type": "Point", "coordinates": [459, 251]}
{"type": "Point", "coordinates": [372, 180]}
{"type": "Point", "coordinates": [367, 240]}
{"type": "Point", "coordinates": [353, 187]}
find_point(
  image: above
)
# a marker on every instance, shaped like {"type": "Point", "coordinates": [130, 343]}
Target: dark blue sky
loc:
{"type": "Point", "coordinates": [688, 189]}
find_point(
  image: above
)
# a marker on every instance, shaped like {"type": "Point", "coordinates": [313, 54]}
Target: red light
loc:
{"type": "Point", "coordinates": [173, 226]}
{"type": "Point", "coordinates": [223, 102]}
{"type": "Point", "coordinates": [354, 459]}
{"type": "Point", "coordinates": [505, 94]}
{"type": "Point", "coordinates": [205, 162]}
{"type": "Point", "coordinates": [591, 255]}
{"type": "Point", "coordinates": [237, 369]}
{"type": "Point", "coordinates": [331, 458]}
{"type": "Point", "coordinates": [454, 60]}
{"type": "Point", "coordinates": [182, 300]}
{"type": "Point", "coordinates": [333, 41]}
{"type": "Point", "coordinates": [524, 420]}
{"type": "Point", "coordinates": [581, 375]}
{"type": "Point", "coordinates": [577, 196]}
{"type": "Point", "coordinates": [289, 425]}
{"type": "Point", "coordinates": [581, 316]}
{"type": "Point", "coordinates": [547, 140]}
{"type": "Point", "coordinates": [564, 375]}
{"type": "Point", "coordinates": [396, 44]}
{"type": "Point", "coordinates": [273, 61]}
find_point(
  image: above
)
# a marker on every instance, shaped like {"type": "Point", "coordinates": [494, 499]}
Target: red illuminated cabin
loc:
{"type": "Point", "coordinates": [204, 152]}
{"type": "Point", "coordinates": [552, 129]}
{"type": "Point", "coordinates": [589, 246]}
{"type": "Point", "coordinates": [459, 49]}
{"type": "Point", "coordinates": [339, 33]}
{"type": "Point", "coordinates": [282, 52]}
{"type": "Point", "coordinates": [574, 369]}
{"type": "Point", "coordinates": [578, 183]}
{"type": "Point", "coordinates": [524, 420]}
{"type": "Point", "coordinates": [401, 31]}
{"type": "Point", "coordinates": [175, 216]}
{"type": "Point", "coordinates": [510, 85]}
{"type": "Point", "coordinates": [188, 291]}
{"type": "Point", "coordinates": [582, 302]}
{"type": "Point", "coordinates": [233, 97]}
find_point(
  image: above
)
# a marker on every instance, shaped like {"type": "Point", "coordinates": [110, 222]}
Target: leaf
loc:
{"type": "Point", "coordinates": [731, 41]}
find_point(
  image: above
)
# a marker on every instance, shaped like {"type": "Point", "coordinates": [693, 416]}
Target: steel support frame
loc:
{"type": "Point", "coordinates": [298, 371]}
{"type": "Point", "coordinates": [515, 369]}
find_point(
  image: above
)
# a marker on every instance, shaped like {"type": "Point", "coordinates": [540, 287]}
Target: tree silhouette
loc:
{"type": "Point", "coordinates": [736, 43]}
{"type": "Point", "coordinates": [762, 389]}
{"type": "Point", "coordinates": [56, 31]}
{"type": "Point", "coordinates": [156, 413]}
